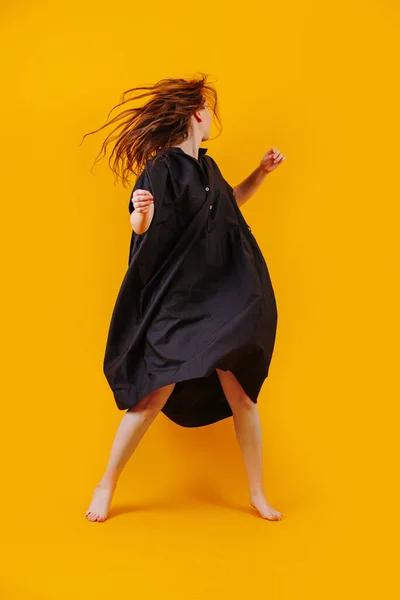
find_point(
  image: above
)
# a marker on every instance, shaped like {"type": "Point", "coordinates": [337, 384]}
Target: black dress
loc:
{"type": "Point", "coordinates": [196, 295]}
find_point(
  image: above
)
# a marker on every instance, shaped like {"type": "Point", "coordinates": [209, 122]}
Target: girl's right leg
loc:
{"type": "Point", "coordinates": [133, 426]}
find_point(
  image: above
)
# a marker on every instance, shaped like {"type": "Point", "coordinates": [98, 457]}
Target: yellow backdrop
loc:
{"type": "Point", "coordinates": [317, 80]}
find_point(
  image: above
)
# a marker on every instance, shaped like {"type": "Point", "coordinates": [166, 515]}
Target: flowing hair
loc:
{"type": "Point", "coordinates": [162, 122]}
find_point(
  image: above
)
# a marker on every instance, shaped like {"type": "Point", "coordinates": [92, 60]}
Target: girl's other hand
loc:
{"type": "Point", "coordinates": [141, 200]}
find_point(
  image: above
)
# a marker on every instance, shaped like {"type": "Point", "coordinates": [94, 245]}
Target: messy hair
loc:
{"type": "Point", "coordinates": [163, 121]}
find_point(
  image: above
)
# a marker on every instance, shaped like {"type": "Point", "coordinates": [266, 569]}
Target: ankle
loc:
{"type": "Point", "coordinates": [255, 492]}
{"type": "Point", "coordinates": [109, 478]}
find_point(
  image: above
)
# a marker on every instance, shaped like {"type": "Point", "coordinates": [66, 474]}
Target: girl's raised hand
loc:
{"type": "Point", "coordinates": [272, 159]}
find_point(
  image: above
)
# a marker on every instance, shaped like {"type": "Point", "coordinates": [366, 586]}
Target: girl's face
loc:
{"type": "Point", "coordinates": [205, 124]}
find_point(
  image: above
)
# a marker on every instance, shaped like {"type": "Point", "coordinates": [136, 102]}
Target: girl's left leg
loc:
{"type": "Point", "coordinates": [248, 433]}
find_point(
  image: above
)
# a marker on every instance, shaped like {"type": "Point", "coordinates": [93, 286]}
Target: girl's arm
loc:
{"type": "Point", "coordinates": [245, 190]}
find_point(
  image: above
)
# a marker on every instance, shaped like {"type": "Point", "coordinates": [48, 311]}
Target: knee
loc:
{"type": "Point", "coordinates": [151, 404]}
{"type": "Point", "coordinates": [157, 399]}
{"type": "Point", "coordinates": [234, 392]}
{"type": "Point", "coordinates": [241, 402]}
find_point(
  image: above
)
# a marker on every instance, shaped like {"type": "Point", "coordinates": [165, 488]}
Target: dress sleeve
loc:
{"type": "Point", "coordinates": [228, 185]}
{"type": "Point", "coordinates": [230, 189]}
{"type": "Point", "coordinates": [155, 181]}
{"type": "Point", "coordinates": [159, 235]}
{"type": "Point", "coordinates": [142, 183]}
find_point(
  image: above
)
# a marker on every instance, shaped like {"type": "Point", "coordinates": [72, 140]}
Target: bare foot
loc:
{"type": "Point", "coordinates": [259, 502]}
{"type": "Point", "coordinates": [101, 500]}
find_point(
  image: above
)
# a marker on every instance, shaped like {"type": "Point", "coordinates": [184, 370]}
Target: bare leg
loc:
{"type": "Point", "coordinates": [131, 429]}
{"type": "Point", "coordinates": [248, 432]}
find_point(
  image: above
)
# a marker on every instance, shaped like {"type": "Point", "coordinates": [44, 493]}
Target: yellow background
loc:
{"type": "Point", "coordinates": [317, 80]}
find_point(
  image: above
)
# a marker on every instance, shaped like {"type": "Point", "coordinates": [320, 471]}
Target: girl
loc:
{"type": "Point", "coordinates": [193, 327]}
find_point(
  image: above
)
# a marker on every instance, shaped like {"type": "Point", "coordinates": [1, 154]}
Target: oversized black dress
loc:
{"type": "Point", "coordinates": [197, 295]}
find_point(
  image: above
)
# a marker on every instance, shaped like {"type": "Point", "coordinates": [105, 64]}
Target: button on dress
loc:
{"type": "Point", "coordinates": [196, 296]}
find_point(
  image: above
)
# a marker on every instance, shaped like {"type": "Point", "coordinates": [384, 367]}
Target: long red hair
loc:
{"type": "Point", "coordinates": [163, 121]}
